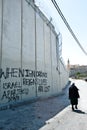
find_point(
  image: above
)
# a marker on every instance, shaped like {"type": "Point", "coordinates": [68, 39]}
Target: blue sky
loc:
{"type": "Point", "coordinates": [75, 14]}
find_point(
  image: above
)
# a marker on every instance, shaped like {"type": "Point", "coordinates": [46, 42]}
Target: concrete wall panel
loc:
{"type": "Point", "coordinates": [0, 39]}
{"type": "Point", "coordinates": [47, 44]}
{"type": "Point", "coordinates": [40, 42]}
{"type": "Point", "coordinates": [28, 62]}
{"type": "Point", "coordinates": [28, 49]}
{"type": "Point", "coordinates": [0, 27]}
{"type": "Point", "coordinates": [54, 64]}
{"type": "Point", "coordinates": [40, 52]}
{"type": "Point", "coordinates": [11, 52]}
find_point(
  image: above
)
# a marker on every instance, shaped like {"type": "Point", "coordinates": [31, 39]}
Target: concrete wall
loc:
{"type": "Point", "coordinates": [28, 57]}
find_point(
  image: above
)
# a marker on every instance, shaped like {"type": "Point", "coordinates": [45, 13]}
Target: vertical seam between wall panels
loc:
{"type": "Point", "coordinates": [57, 56]}
{"type": "Point", "coordinates": [44, 44]}
{"type": "Point", "coordinates": [35, 55]}
{"type": "Point", "coordinates": [59, 66]}
{"type": "Point", "coordinates": [51, 59]}
{"type": "Point", "coordinates": [1, 35]}
{"type": "Point", "coordinates": [1, 40]}
{"type": "Point", "coordinates": [21, 38]}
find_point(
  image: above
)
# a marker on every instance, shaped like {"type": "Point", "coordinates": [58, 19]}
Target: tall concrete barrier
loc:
{"type": "Point", "coordinates": [30, 66]}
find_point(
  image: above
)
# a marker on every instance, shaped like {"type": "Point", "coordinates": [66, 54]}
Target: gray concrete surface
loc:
{"type": "Point", "coordinates": [68, 119]}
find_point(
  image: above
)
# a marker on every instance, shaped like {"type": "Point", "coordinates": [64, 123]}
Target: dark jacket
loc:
{"type": "Point", "coordinates": [74, 94]}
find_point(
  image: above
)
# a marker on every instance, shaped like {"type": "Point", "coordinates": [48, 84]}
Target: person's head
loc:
{"type": "Point", "coordinates": [73, 84]}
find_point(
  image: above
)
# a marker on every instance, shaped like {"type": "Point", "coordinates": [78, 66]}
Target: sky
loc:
{"type": "Point", "coordinates": [75, 13]}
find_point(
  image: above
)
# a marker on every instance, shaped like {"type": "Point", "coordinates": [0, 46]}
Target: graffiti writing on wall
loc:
{"type": "Point", "coordinates": [24, 80]}
{"type": "Point", "coordinates": [18, 72]}
{"type": "Point", "coordinates": [13, 91]}
{"type": "Point", "coordinates": [43, 89]}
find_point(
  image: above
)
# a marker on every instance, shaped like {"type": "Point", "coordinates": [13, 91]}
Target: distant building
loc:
{"type": "Point", "coordinates": [74, 69]}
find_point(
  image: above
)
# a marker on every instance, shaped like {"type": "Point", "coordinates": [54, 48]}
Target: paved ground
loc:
{"type": "Point", "coordinates": [51, 114]}
{"type": "Point", "coordinates": [68, 119]}
{"type": "Point", "coordinates": [33, 116]}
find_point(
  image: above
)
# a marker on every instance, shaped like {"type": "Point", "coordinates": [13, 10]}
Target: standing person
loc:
{"type": "Point", "coordinates": [73, 96]}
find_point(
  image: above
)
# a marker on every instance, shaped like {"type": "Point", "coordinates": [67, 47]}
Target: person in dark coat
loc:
{"type": "Point", "coordinates": [73, 96]}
